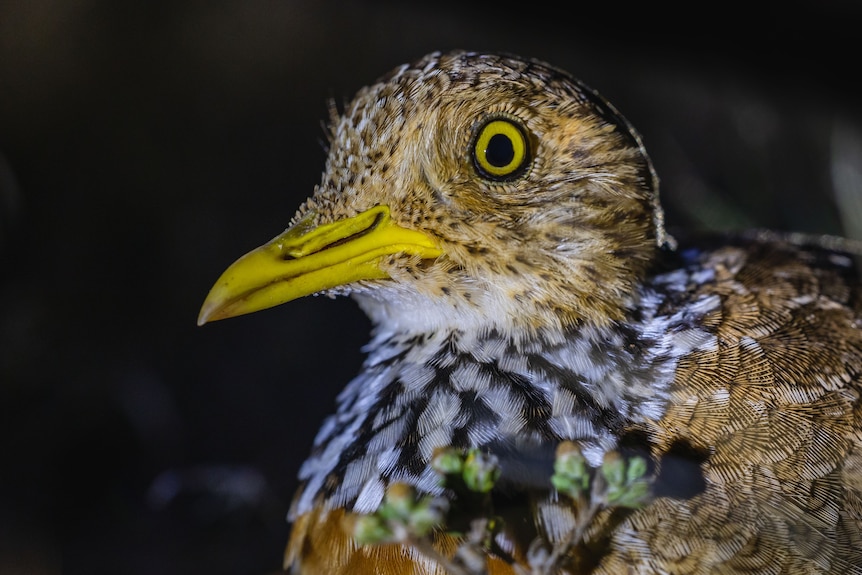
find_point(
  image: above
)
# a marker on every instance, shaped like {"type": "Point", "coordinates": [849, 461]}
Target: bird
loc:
{"type": "Point", "coordinates": [499, 222]}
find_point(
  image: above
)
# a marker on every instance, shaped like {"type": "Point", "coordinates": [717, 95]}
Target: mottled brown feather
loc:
{"type": "Point", "coordinates": [778, 407]}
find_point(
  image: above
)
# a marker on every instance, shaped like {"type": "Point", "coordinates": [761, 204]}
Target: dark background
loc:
{"type": "Point", "coordinates": [145, 146]}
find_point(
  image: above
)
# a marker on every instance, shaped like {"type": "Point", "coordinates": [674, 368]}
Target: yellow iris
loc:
{"type": "Point", "coordinates": [501, 149]}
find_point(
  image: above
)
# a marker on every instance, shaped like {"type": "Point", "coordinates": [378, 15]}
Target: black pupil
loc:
{"type": "Point", "coordinates": [500, 151]}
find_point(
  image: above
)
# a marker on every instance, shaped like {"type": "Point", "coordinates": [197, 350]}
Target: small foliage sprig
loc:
{"type": "Point", "coordinates": [617, 482]}
{"type": "Point", "coordinates": [470, 477]}
{"type": "Point", "coordinates": [407, 518]}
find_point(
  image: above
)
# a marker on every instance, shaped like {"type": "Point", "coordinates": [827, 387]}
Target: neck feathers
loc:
{"type": "Point", "coordinates": [421, 391]}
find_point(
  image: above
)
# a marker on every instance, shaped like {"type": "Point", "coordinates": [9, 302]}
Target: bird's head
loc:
{"type": "Point", "coordinates": [467, 189]}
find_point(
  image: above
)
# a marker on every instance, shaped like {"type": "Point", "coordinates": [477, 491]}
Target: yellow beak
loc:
{"type": "Point", "coordinates": [306, 259]}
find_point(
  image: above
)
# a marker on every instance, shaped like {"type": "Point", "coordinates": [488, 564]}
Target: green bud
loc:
{"type": "Point", "coordinates": [564, 484]}
{"type": "Point", "coordinates": [427, 515]}
{"type": "Point", "coordinates": [633, 496]}
{"type": "Point", "coordinates": [398, 502]}
{"type": "Point", "coordinates": [637, 468]}
{"type": "Point", "coordinates": [571, 473]}
{"type": "Point", "coordinates": [448, 461]}
{"type": "Point", "coordinates": [626, 486]}
{"type": "Point", "coordinates": [480, 471]}
{"type": "Point", "coordinates": [614, 470]}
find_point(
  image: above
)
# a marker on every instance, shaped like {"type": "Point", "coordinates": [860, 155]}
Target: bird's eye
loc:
{"type": "Point", "coordinates": [501, 150]}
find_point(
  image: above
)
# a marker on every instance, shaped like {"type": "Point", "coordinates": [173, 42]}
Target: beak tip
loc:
{"type": "Point", "coordinates": [203, 317]}
{"type": "Point", "coordinates": [209, 312]}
